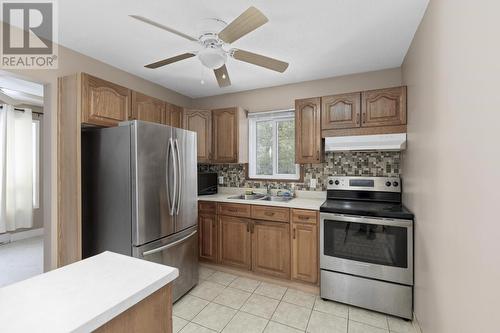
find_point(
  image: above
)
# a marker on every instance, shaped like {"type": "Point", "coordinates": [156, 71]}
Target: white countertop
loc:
{"type": "Point", "coordinates": [82, 296]}
{"type": "Point", "coordinates": [304, 199]}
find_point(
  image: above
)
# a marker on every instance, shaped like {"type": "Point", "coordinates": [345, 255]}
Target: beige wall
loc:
{"type": "Point", "coordinates": [283, 97]}
{"type": "Point", "coordinates": [71, 62]}
{"type": "Point", "coordinates": [273, 98]}
{"type": "Point", "coordinates": [452, 165]}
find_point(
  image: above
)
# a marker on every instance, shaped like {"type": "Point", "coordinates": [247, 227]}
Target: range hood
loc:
{"type": "Point", "coordinates": [366, 142]}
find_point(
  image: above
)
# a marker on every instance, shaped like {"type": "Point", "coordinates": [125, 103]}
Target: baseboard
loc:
{"type": "Point", "coordinates": [305, 287]}
{"type": "Point", "coordinates": [4, 238]}
{"type": "Point", "coordinates": [12, 237]}
{"type": "Point", "coordinates": [416, 325]}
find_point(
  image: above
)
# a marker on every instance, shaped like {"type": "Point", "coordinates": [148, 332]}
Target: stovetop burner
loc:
{"type": "Point", "coordinates": [366, 196]}
{"type": "Point", "coordinates": [366, 208]}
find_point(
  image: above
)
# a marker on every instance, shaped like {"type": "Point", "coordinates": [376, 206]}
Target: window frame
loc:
{"type": "Point", "coordinates": [275, 117]}
{"type": "Point", "coordinates": [35, 123]}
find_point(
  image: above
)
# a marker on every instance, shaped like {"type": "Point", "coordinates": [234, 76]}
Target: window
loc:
{"type": "Point", "coordinates": [272, 146]}
{"type": "Point", "coordinates": [35, 128]}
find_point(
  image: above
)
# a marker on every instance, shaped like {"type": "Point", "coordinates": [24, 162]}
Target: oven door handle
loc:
{"type": "Point", "coordinates": [366, 220]}
{"type": "Point", "coordinates": [361, 264]}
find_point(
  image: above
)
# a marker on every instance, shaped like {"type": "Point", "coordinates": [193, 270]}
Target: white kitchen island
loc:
{"type": "Point", "coordinates": [106, 293]}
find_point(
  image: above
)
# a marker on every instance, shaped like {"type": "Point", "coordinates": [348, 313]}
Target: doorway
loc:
{"type": "Point", "coordinates": [21, 181]}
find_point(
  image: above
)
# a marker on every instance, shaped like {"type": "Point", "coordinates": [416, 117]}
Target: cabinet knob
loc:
{"type": "Point", "coordinates": [294, 233]}
{"type": "Point", "coordinates": [269, 213]}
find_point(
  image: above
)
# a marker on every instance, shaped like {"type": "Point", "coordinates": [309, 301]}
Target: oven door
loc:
{"type": "Point", "coordinates": [376, 248]}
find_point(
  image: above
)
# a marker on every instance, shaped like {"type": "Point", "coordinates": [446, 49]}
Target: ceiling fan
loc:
{"type": "Point", "coordinates": [214, 53]}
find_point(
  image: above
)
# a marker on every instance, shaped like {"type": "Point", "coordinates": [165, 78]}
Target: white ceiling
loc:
{"type": "Point", "coordinates": [16, 91]}
{"type": "Point", "coordinates": [319, 38]}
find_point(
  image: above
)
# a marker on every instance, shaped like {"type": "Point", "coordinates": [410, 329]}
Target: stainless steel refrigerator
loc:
{"type": "Point", "coordinates": [139, 186]}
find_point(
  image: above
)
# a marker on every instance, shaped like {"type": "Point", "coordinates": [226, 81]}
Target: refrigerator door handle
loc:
{"type": "Point", "coordinates": [174, 199]}
{"type": "Point", "coordinates": [179, 182]}
{"type": "Point", "coordinates": [165, 247]}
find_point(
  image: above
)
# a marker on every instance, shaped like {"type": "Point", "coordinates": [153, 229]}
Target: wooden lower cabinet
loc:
{"type": "Point", "coordinates": [305, 252]}
{"type": "Point", "coordinates": [152, 314]}
{"type": "Point", "coordinates": [235, 242]}
{"type": "Point", "coordinates": [271, 248]}
{"type": "Point", "coordinates": [207, 237]}
{"type": "Point", "coordinates": [287, 250]}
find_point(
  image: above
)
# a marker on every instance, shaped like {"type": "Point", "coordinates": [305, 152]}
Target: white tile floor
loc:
{"type": "Point", "coordinates": [20, 260]}
{"type": "Point", "coordinates": [224, 302]}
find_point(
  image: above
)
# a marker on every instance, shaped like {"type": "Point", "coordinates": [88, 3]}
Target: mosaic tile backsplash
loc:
{"type": "Point", "coordinates": [385, 164]}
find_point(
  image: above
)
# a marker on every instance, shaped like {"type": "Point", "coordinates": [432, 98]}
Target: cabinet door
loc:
{"type": "Point", "coordinates": [308, 131]}
{"type": "Point", "coordinates": [104, 103]}
{"type": "Point", "coordinates": [147, 108]}
{"type": "Point", "coordinates": [384, 107]}
{"type": "Point", "coordinates": [305, 252]}
{"type": "Point", "coordinates": [176, 116]}
{"type": "Point", "coordinates": [234, 242]}
{"type": "Point", "coordinates": [341, 111]}
{"type": "Point", "coordinates": [207, 226]}
{"type": "Point", "coordinates": [200, 121]}
{"type": "Point", "coordinates": [271, 248]}
{"type": "Point", "coordinates": [225, 135]}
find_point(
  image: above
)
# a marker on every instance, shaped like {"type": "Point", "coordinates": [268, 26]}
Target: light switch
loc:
{"type": "Point", "coordinates": [312, 183]}
{"type": "Point", "coordinates": [221, 180]}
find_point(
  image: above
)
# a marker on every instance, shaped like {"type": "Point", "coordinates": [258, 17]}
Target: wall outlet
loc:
{"type": "Point", "coordinates": [221, 180]}
{"type": "Point", "coordinates": [313, 183]}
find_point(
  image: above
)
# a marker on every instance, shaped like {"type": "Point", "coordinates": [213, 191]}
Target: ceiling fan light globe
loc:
{"type": "Point", "coordinates": [212, 58]}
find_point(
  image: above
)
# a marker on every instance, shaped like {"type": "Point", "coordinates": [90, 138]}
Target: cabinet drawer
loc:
{"type": "Point", "coordinates": [240, 210]}
{"type": "Point", "coordinates": [270, 213]}
{"type": "Point", "coordinates": [303, 216]}
{"type": "Point", "coordinates": [207, 207]}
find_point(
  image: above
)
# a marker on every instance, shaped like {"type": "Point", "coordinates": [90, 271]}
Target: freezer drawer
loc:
{"type": "Point", "coordinates": [179, 250]}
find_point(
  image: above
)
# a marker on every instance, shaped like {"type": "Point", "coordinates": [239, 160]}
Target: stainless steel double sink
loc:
{"type": "Point", "coordinates": [261, 197]}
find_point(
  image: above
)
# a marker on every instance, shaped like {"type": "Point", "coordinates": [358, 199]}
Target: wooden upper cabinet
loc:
{"type": "Point", "coordinates": [308, 143]}
{"type": "Point", "coordinates": [230, 136]}
{"type": "Point", "coordinates": [341, 111]}
{"type": "Point", "coordinates": [384, 107]}
{"type": "Point", "coordinates": [235, 242]}
{"type": "Point", "coordinates": [103, 103]}
{"type": "Point", "coordinates": [176, 116]}
{"type": "Point", "coordinates": [147, 108]}
{"type": "Point", "coordinates": [200, 121]}
{"type": "Point", "coordinates": [173, 115]}
{"type": "Point", "coordinates": [271, 248]}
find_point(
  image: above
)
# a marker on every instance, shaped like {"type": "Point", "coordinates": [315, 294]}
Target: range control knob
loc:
{"type": "Point", "coordinates": [387, 183]}
{"type": "Point", "coordinates": [395, 184]}
{"type": "Point", "coordinates": [337, 182]}
{"type": "Point", "coordinates": [330, 182]}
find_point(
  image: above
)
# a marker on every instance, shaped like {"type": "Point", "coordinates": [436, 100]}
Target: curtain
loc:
{"type": "Point", "coordinates": [16, 169]}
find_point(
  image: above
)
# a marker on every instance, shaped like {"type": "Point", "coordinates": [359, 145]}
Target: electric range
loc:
{"type": "Point", "coordinates": [366, 245]}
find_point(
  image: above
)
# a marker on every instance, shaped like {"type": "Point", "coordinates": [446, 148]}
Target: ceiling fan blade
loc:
{"type": "Point", "coordinates": [222, 76]}
{"type": "Point", "coordinates": [170, 60]}
{"type": "Point", "coordinates": [260, 60]}
{"type": "Point", "coordinates": [164, 27]}
{"type": "Point", "coordinates": [248, 21]}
